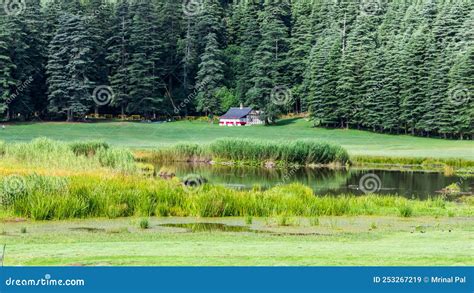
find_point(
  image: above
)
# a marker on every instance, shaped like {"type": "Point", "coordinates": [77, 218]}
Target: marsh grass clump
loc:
{"type": "Point", "coordinates": [191, 152]}
{"type": "Point", "coordinates": [118, 159]}
{"type": "Point", "coordinates": [88, 148]}
{"type": "Point", "coordinates": [314, 221]}
{"type": "Point", "coordinates": [286, 221]}
{"type": "Point", "coordinates": [144, 224]}
{"type": "Point", "coordinates": [246, 151]}
{"type": "Point", "coordinates": [23, 230]}
{"type": "Point", "coordinates": [56, 155]}
{"type": "Point", "coordinates": [405, 211]}
{"type": "Point", "coordinates": [248, 220]}
{"type": "Point", "coordinates": [44, 152]}
{"type": "Point", "coordinates": [14, 189]}
{"type": "Point", "coordinates": [302, 152]}
{"type": "Point", "coordinates": [283, 220]}
{"type": "Point", "coordinates": [184, 152]}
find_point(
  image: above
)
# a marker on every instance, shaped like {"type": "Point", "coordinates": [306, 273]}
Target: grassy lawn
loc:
{"type": "Point", "coordinates": [335, 241]}
{"type": "Point", "coordinates": [140, 135]}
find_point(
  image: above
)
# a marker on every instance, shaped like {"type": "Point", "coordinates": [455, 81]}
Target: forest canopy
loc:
{"type": "Point", "coordinates": [393, 66]}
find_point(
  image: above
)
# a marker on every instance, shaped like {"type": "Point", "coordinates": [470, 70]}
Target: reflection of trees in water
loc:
{"type": "Point", "coordinates": [323, 181]}
{"type": "Point", "coordinates": [411, 184]}
{"type": "Point", "coordinates": [266, 178]}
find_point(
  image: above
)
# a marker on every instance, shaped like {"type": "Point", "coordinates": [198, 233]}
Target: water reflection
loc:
{"type": "Point", "coordinates": [410, 184]}
{"type": "Point", "coordinates": [208, 227]}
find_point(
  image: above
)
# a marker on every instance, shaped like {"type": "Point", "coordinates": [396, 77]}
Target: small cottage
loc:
{"type": "Point", "coordinates": [240, 117]}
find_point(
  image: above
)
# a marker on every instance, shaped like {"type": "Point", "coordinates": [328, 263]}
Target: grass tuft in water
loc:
{"type": "Point", "coordinates": [88, 148]}
{"type": "Point", "coordinates": [314, 221]}
{"type": "Point", "coordinates": [144, 224]}
{"type": "Point", "coordinates": [249, 220]}
{"type": "Point", "coordinates": [405, 211]}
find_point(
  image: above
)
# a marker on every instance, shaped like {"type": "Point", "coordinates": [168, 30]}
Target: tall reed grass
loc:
{"type": "Point", "coordinates": [76, 156]}
{"type": "Point", "coordinates": [423, 162]}
{"type": "Point", "coordinates": [47, 198]}
{"type": "Point", "coordinates": [301, 152]}
{"type": "Point", "coordinates": [88, 148]}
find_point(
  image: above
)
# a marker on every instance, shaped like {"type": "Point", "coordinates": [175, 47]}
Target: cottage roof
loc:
{"type": "Point", "coordinates": [236, 113]}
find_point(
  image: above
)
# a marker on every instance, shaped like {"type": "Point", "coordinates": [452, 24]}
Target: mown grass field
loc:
{"type": "Point", "coordinates": [364, 241]}
{"type": "Point", "coordinates": [145, 136]}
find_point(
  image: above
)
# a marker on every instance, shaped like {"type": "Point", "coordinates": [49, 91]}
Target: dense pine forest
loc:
{"type": "Point", "coordinates": [392, 66]}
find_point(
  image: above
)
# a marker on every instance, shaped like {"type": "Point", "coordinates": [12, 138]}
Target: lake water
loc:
{"type": "Point", "coordinates": [410, 184]}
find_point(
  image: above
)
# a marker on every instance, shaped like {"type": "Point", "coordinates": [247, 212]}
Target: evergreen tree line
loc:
{"type": "Point", "coordinates": [392, 66]}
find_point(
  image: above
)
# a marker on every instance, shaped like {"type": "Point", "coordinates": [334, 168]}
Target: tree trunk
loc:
{"type": "Point", "coordinates": [70, 117]}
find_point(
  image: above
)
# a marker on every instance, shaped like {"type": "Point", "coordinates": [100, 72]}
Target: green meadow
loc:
{"type": "Point", "coordinates": [359, 241]}
{"type": "Point", "coordinates": [147, 136]}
